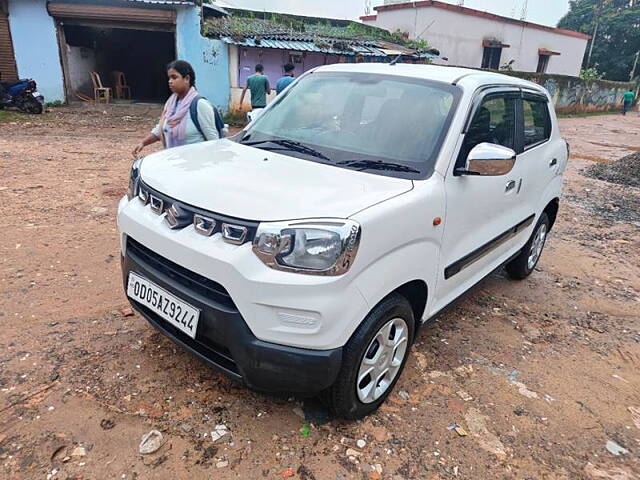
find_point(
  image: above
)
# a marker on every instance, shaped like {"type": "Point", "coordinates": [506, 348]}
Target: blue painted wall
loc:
{"type": "Point", "coordinates": [209, 58]}
{"type": "Point", "coordinates": [36, 46]}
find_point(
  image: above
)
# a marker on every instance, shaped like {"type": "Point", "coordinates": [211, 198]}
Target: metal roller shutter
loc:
{"type": "Point", "coordinates": [122, 17]}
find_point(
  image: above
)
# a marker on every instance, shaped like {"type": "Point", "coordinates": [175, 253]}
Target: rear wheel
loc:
{"type": "Point", "coordinates": [522, 266]}
{"type": "Point", "coordinates": [373, 359]}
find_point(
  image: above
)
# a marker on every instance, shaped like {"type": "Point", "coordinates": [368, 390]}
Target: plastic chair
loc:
{"type": "Point", "coordinates": [99, 91]}
{"type": "Point", "coordinates": [120, 85]}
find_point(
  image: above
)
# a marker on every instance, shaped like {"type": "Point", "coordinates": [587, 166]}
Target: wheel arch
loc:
{"type": "Point", "coordinates": [416, 292]}
{"type": "Point", "coordinates": [552, 211]}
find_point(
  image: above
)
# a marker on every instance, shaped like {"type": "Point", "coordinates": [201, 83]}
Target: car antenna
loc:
{"type": "Point", "coordinates": [395, 60]}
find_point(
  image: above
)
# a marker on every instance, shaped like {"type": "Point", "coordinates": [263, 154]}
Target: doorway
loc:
{"type": "Point", "coordinates": [140, 54]}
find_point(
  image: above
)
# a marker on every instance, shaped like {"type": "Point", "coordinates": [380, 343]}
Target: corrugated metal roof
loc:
{"type": "Point", "coordinates": [164, 2]}
{"type": "Point", "coordinates": [215, 10]}
{"type": "Point", "coordinates": [305, 46]}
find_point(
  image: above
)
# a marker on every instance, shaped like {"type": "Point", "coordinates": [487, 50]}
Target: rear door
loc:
{"type": "Point", "coordinates": [540, 159]}
{"type": "Point", "coordinates": [482, 211]}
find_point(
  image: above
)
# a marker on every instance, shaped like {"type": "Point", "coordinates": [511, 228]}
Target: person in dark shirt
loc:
{"type": "Point", "coordinates": [287, 80]}
{"type": "Point", "coordinates": [258, 85]}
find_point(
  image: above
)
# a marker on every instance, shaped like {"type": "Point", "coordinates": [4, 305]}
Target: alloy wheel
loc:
{"type": "Point", "coordinates": [537, 246]}
{"type": "Point", "coordinates": [382, 360]}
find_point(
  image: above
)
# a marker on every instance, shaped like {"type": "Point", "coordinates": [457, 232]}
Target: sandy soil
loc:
{"type": "Point", "coordinates": [540, 374]}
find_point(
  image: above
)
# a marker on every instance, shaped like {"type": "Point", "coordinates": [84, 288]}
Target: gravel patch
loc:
{"type": "Point", "coordinates": [625, 171]}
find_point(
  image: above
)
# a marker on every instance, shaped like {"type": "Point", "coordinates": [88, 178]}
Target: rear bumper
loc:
{"type": "Point", "coordinates": [223, 338]}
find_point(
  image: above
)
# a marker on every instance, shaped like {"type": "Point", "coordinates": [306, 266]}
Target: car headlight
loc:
{"type": "Point", "coordinates": [313, 247]}
{"type": "Point", "coordinates": [134, 179]}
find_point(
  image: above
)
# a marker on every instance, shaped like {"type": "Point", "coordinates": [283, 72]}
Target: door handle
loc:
{"type": "Point", "coordinates": [511, 184]}
{"type": "Point", "coordinates": [553, 163]}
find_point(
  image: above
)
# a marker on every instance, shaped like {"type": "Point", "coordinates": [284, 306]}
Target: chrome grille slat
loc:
{"type": "Point", "coordinates": [161, 203]}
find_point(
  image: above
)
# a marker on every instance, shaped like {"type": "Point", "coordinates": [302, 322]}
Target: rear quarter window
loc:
{"type": "Point", "coordinates": [537, 122]}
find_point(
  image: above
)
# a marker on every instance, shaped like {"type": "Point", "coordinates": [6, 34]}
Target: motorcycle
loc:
{"type": "Point", "coordinates": [23, 95]}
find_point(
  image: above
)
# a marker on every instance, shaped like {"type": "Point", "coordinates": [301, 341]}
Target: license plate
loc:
{"type": "Point", "coordinates": [178, 313]}
{"type": "Point", "coordinates": [36, 94]}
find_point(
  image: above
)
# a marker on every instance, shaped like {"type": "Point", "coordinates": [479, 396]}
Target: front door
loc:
{"type": "Point", "coordinates": [483, 213]}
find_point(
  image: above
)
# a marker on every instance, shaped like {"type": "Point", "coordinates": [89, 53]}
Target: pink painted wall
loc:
{"type": "Point", "coordinates": [273, 60]}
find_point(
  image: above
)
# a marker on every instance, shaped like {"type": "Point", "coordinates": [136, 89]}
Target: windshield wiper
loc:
{"type": "Point", "coordinates": [374, 165]}
{"type": "Point", "coordinates": [291, 145]}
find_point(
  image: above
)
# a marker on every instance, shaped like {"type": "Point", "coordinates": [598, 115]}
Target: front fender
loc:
{"type": "Point", "coordinates": [419, 261]}
{"type": "Point", "coordinates": [401, 241]}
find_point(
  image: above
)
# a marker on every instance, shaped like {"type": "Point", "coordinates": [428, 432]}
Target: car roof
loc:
{"type": "Point", "coordinates": [469, 77]}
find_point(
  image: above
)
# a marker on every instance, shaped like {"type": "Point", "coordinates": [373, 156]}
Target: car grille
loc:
{"type": "Point", "coordinates": [238, 231]}
{"type": "Point", "coordinates": [202, 285]}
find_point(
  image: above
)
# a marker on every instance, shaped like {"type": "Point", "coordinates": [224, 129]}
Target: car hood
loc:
{"type": "Point", "coordinates": [245, 182]}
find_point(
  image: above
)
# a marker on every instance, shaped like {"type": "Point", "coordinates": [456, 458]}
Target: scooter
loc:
{"type": "Point", "coordinates": [23, 95]}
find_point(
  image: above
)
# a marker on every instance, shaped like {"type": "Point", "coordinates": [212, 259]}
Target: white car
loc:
{"type": "Point", "coordinates": [303, 254]}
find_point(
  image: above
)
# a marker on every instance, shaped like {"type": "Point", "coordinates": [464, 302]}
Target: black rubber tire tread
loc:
{"type": "Point", "coordinates": [518, 268]}
{"type": "Point", "coordinates": [342, 399]}
{"type": "Point", "coordinates": [35, 107]}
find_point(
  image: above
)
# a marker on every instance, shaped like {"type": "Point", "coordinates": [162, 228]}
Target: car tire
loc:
{"type": "Point", "coordinates": [521, 267]}
{"type": "Point", "coordinates": [392, 318]}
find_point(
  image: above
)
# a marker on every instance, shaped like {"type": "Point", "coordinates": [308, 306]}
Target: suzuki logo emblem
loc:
{"type": "Point", "coordinates": [177, 217]}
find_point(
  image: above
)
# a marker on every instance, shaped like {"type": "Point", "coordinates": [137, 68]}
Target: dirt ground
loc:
{"type": "Point", "coordinates": [538, 374]}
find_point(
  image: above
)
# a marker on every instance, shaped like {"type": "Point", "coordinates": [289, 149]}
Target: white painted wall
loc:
{"type": "Point", "coordinates": [236, 94]}
{"type": "Point", "coordinates": [234, 66]}
{"type": "Point", "coordinates": [81, 61]}
{"type": "Point", "coordinates": [35, 44]}
{"type": "Point", "coordinates": [459, 37]}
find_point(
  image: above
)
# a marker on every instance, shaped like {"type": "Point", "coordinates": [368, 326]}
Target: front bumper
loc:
{"type": "Point", "coordinates": [223, 338]}
{"type": "Point", "coordinates": [283, 308]}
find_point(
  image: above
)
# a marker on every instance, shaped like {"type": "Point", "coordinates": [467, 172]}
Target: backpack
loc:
{"type": "Point", "coordinates": [193, 111]}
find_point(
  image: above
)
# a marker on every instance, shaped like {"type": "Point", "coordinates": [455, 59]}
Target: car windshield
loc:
{"type": "Point", "coordinates": [384, 124]}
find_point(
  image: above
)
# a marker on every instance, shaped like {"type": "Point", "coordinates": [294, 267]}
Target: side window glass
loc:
{"type": "Point", "coordinates": [537, 124]}
{"type": "Point", "coordinates": [494, 122]}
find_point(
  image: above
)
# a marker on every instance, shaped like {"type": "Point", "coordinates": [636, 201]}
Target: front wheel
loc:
{"type": "Point", "coordinates": [373, 359]}
{"type": "Point", "coordinates": [521, 267]}
{"type": "Point", "coordinates": [31, 105]}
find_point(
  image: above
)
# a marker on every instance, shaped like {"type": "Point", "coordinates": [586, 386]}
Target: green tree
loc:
{"type": "Point", "coordinates": [616, 24]}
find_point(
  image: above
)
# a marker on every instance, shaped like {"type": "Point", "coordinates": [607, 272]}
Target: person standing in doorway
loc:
{"type": "Point", "coordinates": [287, 80]}
{"type": "Point", "coordinates": [628, 99]}
{"type": "Point", "coordinates": [182, 123]}
{"type": "Point", "coordinates": [258, 85]}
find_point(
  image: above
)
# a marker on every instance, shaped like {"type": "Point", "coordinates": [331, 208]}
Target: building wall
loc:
{"type": "Point", "coordinates": [36, 46]}
{"type": "Point", "coordinates": [244, 59]}
{"type": "Point", "coordinates": [8, 70]}
{"type": "Point", "coordinates": [81, 61]}
{"type": "Point", "coordinates": [574, 95]}
{"type": "Point", "coordinates": [459, 37]}
{"type": "Point", "coordinates": [209, 58]}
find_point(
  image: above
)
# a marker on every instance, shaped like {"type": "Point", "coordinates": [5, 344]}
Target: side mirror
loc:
{"type": "Point", "coordinates": [488, 159]}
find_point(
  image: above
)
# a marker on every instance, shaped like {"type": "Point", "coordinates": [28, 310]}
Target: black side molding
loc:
{"type": "Point", "coordinates": [480, 252]}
